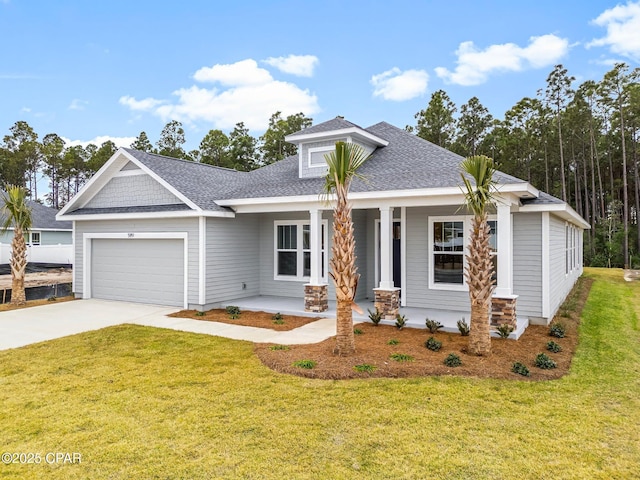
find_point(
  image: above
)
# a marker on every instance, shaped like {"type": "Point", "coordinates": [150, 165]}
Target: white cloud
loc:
{"type": "Point", "coordinates": [623, 30]}
{"type": "Point", "coordinates": [398, 86]}
{"type": "Point", "coordinates": [139, 105]}
{"type": "Point", "coordinates": [300, 65]}
{"type": "Point", "coordinates": [245, 72]}
{"type": "Point", "coordinates": [99, 140]}
{"type": "Point", "coordinates": [77, 104]}
{"type": "Point", "coordinates": [475, 66]}
{"type": "Point", "coordinates": [251, 95]}
{"type": "Point", "coordinates": [25, 110]}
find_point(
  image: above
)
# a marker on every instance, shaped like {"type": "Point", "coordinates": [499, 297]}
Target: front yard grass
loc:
{"type": "Point", "coordinates": [139, 402]}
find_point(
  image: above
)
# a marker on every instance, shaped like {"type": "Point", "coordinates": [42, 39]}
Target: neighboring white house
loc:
{"type": "Point", "coordinates": [154, 229]}
{"type": "Point", "coordinates": [49, 241]}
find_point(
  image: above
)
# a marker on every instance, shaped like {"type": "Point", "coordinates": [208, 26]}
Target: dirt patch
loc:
{"type": "Point", "coordinates": [373, 348]}
{"type": "Point", "coordinates": [35, 303]}
{"type": "Point", "coordinates": [248, 319]}
{"type": "Point", "coordinates": [37, 279]}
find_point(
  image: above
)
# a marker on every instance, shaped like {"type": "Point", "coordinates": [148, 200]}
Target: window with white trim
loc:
{"type": "Point", "coordinates": [447, 248]}
{"type": "Point", "coordinates": [292, 259]}
{"type": "Point", "coordinates": [316, 156]}
{"type": "Point", "coordinates": [571, 242]}
{"type": "Point", "coordinates": [34, 238]}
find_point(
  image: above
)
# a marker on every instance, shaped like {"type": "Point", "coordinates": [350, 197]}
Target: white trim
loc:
{"type": "Point", "coordinates": [317, 150]}
{"type": "Point", "coordinates": [31, 233]}
{"type": "Point", "coordinates": [46, 229]}
{"type": "Point", "coordinates": [546, 267]}
{"type": "Point", "coordinates": [132, 215]}
{"type": "Point", "coordinates": [75, 254]}
{"type": "Point", "coordinates": [86, 254]}
{"type": "Point", "coordinates": [462, 287]}
{"type": "Point", "coordinates": [564, 211]}
{"type": "Point", "coordinates": [130, 173]}
{"type": "Point", "coordinates": [403, 256]}
{"type": "Point", "coordinates": [386, 249]}
{"type": "Point", "coordinates": [330, 134]}
{"type": "Point", "coordinates": [299, 251]}
{"type": "Point", "coordinates": [202, 259]}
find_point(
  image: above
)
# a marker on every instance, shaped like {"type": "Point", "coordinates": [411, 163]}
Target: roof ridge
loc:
{"type": "Point", "coordinates": [190, 162]}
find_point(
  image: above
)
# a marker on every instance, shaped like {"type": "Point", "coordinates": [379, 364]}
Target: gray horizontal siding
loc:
{"type": "Point", "coordinates": [188, 225]}
{"type": "Point", "coordinates": [232, 258]}
{"type": "Point", "coordinates": [527, 263]}
{"type": "Point", "coordinates": [560, 283]}
{"type": "Point", "coordinates": [419, 263]}
{"type": "Point", "coordinates": [132, 191]}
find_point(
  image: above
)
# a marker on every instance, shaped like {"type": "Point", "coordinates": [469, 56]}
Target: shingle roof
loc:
{"type": "Point", "coordinates": [199, 182]}
{"type": "Point", "coordinates": [337, 123]}
{"type": "Point", "coordinates": [175, 207]}
{"type": "Point", "coordinates": [407, 162]}
{"type": "Point", "coordinates": [43, 217]}
{"type": "Point", "coordinates": [543, 199]}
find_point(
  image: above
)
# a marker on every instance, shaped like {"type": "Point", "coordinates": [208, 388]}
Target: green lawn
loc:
{"type": "Point", "coordinates": [140, 402]}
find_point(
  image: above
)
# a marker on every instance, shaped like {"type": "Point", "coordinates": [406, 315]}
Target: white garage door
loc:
{"type": "Point", "coordinates": [138, 270]}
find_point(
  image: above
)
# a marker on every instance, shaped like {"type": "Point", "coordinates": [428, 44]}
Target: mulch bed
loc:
{"type": "Point", "coordinates": [372, 348]}
{"type": "Point", "coordinates": [248, 319]}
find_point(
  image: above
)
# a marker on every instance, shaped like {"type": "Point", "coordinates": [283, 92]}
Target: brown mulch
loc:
{"type": "Point", "coordinates": [35, 303]}
{"type": "Point", "coordinates": [372, 348]}
{"type": "Point", "coordinates": [248, 319]}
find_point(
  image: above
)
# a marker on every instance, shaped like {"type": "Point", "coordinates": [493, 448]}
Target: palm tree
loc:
{"type": "Point", "coordinates": [17, 215]}
{"type": "Point", "coordinates": [479, 268]}
{"type": "Point", "coordinates": [343, 163]}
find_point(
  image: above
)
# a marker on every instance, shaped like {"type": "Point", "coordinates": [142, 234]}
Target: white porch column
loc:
{"type": "Point", "coordinates": [386, 255]}
{"type": "Point", "coordinates": [505, 254]}
{"type": "Point", "coordinates": [315, 234]}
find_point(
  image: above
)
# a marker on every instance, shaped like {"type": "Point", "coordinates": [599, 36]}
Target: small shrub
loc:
{"type": "Point", "coordinates": [463, 326]}
{"type": "Point", "coordinates": [433, 325]}
{"type": "Point", "coordinates": [365, 367]}
{"type": "Point", "coordinates": [233, 311]}
{"type": "Point", "coordinates": [553, 347]}
{"type": "Point", "coordinates": [278, 319]}
{"type": "Point", "coordinates": [401, 321]}
{"type": "Point", "coordinates": [199, 314]}
{"type": "Point", "coordinates": [520, 369]}
{"type": "Point", "coordinates": [308, 364]}
{"type": "Point", "coordinates": [401, 357]}
{"type": "Point", "coordinates": [433, 344]}
{"type": "Point", "coordinates": [504, 330]}
{"type": "Point", "coordinates": [557, 329]}
{"type": "Point", "coordinates": [393, 341]}
{"type": "Point", "coordinates": [52, 298]}
{"type": "Point", "coordinates": [544, 362]}
{"type": "Point", "coordinates": [357, 331]}
{"type": "Point", "coordinates": [279, 347]}
{"type": "Point", "coordinates": [375, 317]}
{"type": "Point", "coordinates": [452, 360]}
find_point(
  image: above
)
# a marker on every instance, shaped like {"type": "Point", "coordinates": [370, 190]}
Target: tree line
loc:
{"type": "Point", "coordinates": [578, 143]}
{"type": "Point", "coordinates": [25, 159]}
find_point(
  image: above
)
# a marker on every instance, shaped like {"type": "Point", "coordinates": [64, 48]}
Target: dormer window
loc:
{"type": "Point", "coordinates": [316, 156]}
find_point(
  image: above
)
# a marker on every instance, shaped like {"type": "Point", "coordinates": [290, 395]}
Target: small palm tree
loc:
{"type": "Point", "coordinates": [479, 268]}
{"type": "Point", "coordinates": [343, 163]}
{"type": "Point", "coordinates": [17, 215]}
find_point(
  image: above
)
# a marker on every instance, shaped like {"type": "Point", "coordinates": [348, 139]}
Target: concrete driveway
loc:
{"type": "Point", "coordinates": [37, 324]}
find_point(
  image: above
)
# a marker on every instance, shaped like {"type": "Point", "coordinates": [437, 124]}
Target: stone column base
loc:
{"type": "Point", "coordinates": [387, 301]}
{"type": "Point", "coordinates": [503, 310]}
{"type": "Point", "coordinates": [316, 298]}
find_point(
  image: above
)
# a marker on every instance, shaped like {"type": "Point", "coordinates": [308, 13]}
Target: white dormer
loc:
{"type": "Point", "coordinates": [317, 141]}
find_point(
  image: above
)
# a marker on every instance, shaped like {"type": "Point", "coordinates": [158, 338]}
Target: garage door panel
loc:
{"type": "Point", "coordinates": [138, 270]}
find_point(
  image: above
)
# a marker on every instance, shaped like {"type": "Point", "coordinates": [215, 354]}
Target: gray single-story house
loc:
{"type": "Point", "coordinates": [153, 229]}
{"type": "Point", "coordinates": [48, 241]}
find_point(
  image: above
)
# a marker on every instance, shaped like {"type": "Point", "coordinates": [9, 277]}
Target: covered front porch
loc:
{"type": "Point", "coordinates": [415, 316]}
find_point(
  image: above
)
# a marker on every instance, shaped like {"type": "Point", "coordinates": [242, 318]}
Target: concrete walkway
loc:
{"type": "Point", "coordinates": [47, 322]}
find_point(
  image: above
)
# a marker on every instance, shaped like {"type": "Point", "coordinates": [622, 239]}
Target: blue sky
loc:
{"type": "Point", "coordinates": [92, 70]}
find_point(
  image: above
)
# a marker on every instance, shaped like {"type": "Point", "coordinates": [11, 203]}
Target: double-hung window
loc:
{"type": "Point", "coordinates": [447, 248]}
{"type": "Point", "coordinates": [35, 238]}
{"type": "Point", "coordinates": [293, 250]}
